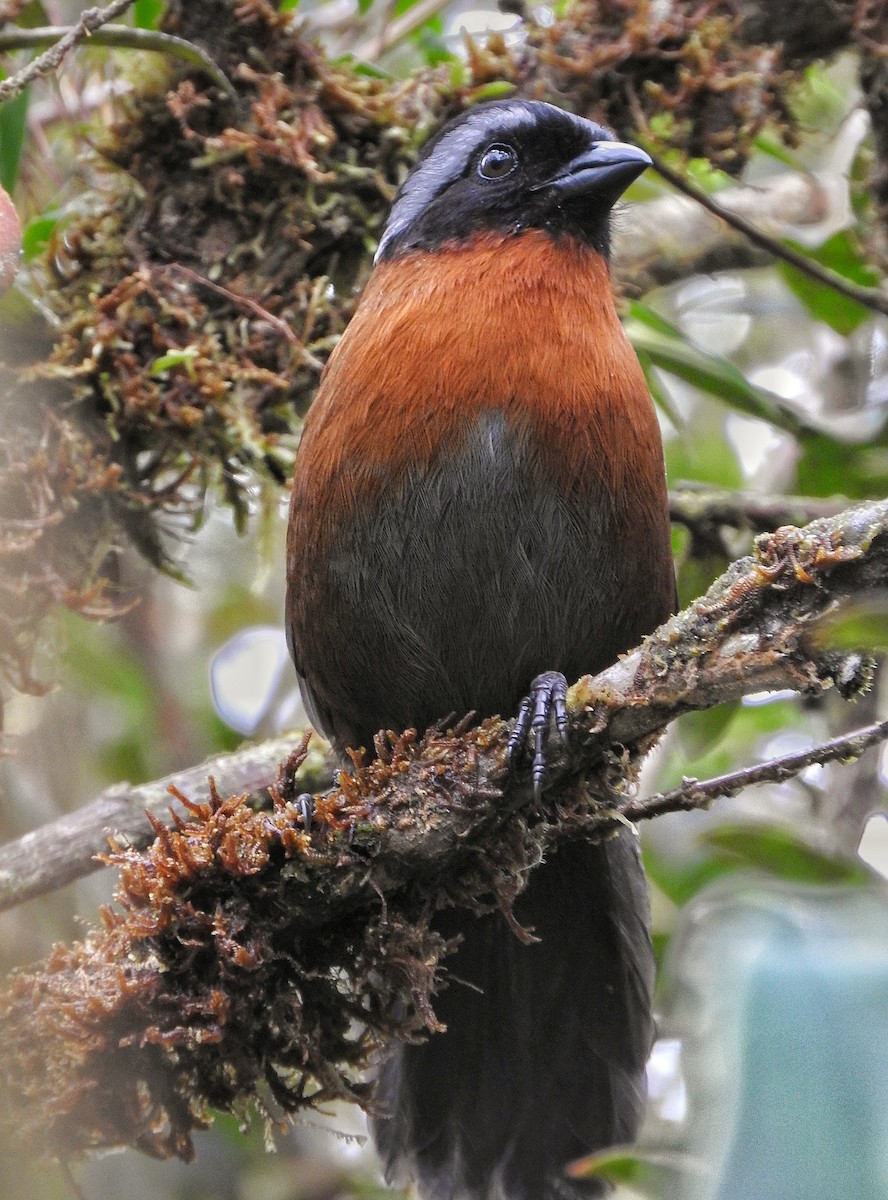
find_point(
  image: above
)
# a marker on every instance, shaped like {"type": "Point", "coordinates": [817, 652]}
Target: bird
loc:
{"type": "Point", "coordinates": [478, 514]}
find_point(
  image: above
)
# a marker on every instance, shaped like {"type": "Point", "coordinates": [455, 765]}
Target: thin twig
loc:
{"type": "Point", "coordinates": [374, 47]}
{"type": "Point", "coordinates": [871, 298]}
{"type": "Point", "coordinates": [122, 36]}
{"type": "Point", "coordinates": [91, 19]}
{"type": "Point", "coordinates": [693, 794]}
{"type": "Point", "coordinates": [251, 305]}
{"type": "Point", "coordinates": [661, 241]}
{"type": "Point", "coordinates": [700, 507]}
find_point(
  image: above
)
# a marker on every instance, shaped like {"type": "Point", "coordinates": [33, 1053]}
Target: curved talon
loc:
{"type": "Point", "coordinates": [306, 808]}
{"type": "Point", "coordinates": [546, 701]}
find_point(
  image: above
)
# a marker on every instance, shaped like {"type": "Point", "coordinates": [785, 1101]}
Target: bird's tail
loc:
{"type": "Point", "coordinates": [544, 1055]}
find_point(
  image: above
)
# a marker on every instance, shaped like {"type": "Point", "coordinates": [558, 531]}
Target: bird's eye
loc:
{"type": "Point", "coordinates": [497, 162]}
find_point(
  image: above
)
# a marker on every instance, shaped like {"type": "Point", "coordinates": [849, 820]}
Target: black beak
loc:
{"type": "Point", "coordinates": [601, 175]}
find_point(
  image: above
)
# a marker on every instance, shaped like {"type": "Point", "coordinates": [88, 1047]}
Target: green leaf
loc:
{"type": "Point", "coordinates": [700, 732]}
{"type": "Point", "coordinates": [36, 235]}
{"type": "Point", "coordinates": [32, 16]}
{"type": "Point", "coordinates": [174, 358]}
{"type": "Point", "coordinates": [681, 881]}
{"type": "Point", "coordinates": [666, 347]}
{"type": "Point", "coordinates": [770, 144]}
{"type": "Point", "coordinates": [733, 847]}
{"type": "Point", "coordinates": [840, 254]}
{"type": "Point", "coordinates": [659, 393]}
{"type": "Point", "coordinates": [494, 90]}
{"type": "Point", "coordinates": [654, 1173]}
{"type": "Point", "coordinates": [649, 316]}
{"type": "Point", "coordinates": [827, 467]}
{"type": "Point", "coordinates": [784, 853]}
{"type": "Point", "coordinates": [707, 177]}
{"type": "Point", "coordinates": [432, 45]}
{"type": "Point", "coordinates": [820, 103]}
{"type": "Point", "coordinates": [147, 13]}
{"type": "Point", "coordinates": [360, 67]}
{"type": "Point", "coordinates": [862, 625]}
{"type": "Point", "coordinates": [13, 118]}
{"type": "Point", "coordinates": [288, 5]}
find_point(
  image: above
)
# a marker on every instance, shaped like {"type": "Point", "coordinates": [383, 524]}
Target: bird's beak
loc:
{"type": "Point", "coordinates": [601, 174]}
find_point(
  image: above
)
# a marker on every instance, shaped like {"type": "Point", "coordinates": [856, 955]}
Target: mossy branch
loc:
{"type": "Point", "coordinates": [68, 848]}
{"type": "Point", "coordinates": [256, 955]}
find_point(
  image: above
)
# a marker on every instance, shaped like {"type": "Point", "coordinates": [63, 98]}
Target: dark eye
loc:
{"type": "Point", "coordinates": [497, 162]}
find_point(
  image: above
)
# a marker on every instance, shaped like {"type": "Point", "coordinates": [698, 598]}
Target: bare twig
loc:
{"type": "Point", "coordinates": [374, 47]}
{"type": "Point", "coordinates": [248, 303]}
{"type": "Point", "coordinates": [672, 237]}
{"type": "Point", "coordinates": [124, 37]}
{"type": "Point", "coordinates": [874, 299]}
{"type": "Point", "coordinates": [694, 794]}
{"type": "Point", "coordinates": [91, 19]}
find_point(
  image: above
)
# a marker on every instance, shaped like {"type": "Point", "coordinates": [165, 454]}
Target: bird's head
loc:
{"type": "Point", "coordinates": [506, 167]}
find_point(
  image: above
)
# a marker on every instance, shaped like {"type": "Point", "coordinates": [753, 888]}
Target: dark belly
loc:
{"type": "Point", "coordinates": [452, 592]}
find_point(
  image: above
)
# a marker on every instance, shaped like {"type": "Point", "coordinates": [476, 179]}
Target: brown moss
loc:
{"type": "Point", "coordinates": [249, 959]}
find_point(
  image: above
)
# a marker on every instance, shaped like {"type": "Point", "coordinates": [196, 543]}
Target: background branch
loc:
{"type": "Point", "coordinates": [121, 37]}
{"type": "Point", "coordinates": [696, 793]}
{"type": "Point", "coordinates": [67, 849]}
{"type": "Point", "coordinates": [875, 299]}
{"type": "Point", "coordinates": [702, 508]}
{"type": "Point", "coordinates": [675, 236]}
{"type": "Point", "coordinates": [91, 19]}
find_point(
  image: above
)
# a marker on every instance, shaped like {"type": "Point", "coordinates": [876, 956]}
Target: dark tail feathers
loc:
{"type": "Point", "coordinates": [545, 1061]}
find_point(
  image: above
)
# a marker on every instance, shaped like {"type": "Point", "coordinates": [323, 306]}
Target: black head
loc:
{"type": "Point", "coordinates": [509, 166]}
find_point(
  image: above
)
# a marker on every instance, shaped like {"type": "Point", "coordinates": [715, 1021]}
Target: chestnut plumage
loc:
{"type": "Point", "coordinates": [479, 497]}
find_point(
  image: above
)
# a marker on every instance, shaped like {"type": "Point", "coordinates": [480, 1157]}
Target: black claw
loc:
{"type": "Point", "coordinates": [306, 808]}
{"type": "Point", "coordinates": [546, 702]}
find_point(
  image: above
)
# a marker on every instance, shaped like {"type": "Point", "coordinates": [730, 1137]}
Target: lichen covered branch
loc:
{"type": "Point", "coordinates": [256, 954]}
{"type": "Point", "coordinates": [91, 19]}
{"type": "Point", "coordinates": [693, 794]}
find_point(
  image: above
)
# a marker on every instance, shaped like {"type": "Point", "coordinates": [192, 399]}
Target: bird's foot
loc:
{"type": "Point", "coordinates": [305, 803]}
{"type": "Point", "coordinates": [545, 702]}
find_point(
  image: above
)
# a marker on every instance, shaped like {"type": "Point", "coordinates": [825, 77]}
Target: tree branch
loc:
{"type": "Point", "coordinates": [91, 19]}
{"type": "Point", "coordinates": [675, 237]}
{"type": "Point", "coordinates": [694, 793]}
{"type": "Point", "coordinates": [123, 37]}
{"type": "Point", "coordinates": [69, 848]}
{"type": "Point", "coordinates": [702, 509]}
{"type": "Point", "coordinates": [875, 299]}
{"type": "Point", "coordinates": [256, 956]}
